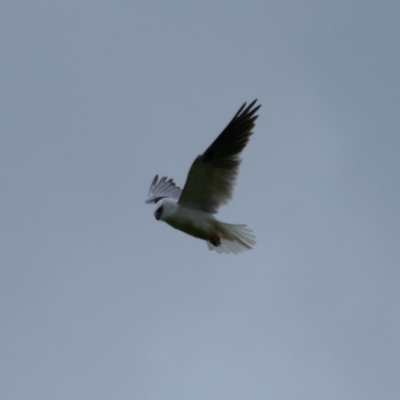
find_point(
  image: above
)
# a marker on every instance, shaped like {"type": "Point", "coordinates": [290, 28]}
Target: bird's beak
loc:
{"type": "Point", "coordinates": [158, 216]}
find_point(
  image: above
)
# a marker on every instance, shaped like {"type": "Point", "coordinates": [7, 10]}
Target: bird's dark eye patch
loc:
{"type": "Point", "coordinates": [159, 213]}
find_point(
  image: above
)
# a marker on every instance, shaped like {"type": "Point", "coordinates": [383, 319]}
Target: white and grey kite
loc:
{"type": "Point", "coordinates": [209, 185]}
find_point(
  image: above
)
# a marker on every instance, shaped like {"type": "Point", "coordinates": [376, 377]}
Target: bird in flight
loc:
{"type": "Point", "coordinates": [209, 185]}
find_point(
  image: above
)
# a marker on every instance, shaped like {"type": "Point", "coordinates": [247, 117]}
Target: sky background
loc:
{"type": "Point", "coordinates": [101, 301]}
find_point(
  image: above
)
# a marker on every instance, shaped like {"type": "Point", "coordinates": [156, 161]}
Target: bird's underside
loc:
{"type": "Point", "coordinates": [209, 185]}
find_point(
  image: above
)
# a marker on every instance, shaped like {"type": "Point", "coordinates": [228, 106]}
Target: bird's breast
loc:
{"type": "Point", "coordinates": [196, 223]}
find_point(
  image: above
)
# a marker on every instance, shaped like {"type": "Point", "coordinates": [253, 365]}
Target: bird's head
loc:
{"type": "Point", "coordinates": [164, 209]}
{"type": "Point", "coordinates": [158, 211]}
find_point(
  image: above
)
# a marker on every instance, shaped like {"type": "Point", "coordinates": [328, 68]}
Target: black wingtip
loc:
{"type": "Point", "coordinates": [243, 110]}
{"type": "Point", "coordinates": [235, 136]}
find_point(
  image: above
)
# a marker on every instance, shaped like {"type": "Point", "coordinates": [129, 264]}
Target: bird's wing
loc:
{"type": "Point", "coordinates": [163, 188]}
{"type": "Point", "coordinates": [213, 174]}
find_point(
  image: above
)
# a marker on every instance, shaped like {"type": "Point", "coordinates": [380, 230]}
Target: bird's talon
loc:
{"type": "Point", "coordinates": [215, 241]}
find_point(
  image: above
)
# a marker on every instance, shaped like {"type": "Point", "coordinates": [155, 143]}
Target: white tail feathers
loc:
{"type": "Point", "coordinates": [234, 238]}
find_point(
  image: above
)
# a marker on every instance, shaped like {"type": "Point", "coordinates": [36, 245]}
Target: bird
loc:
{"type": "Point", "coordinates": [209, 185]}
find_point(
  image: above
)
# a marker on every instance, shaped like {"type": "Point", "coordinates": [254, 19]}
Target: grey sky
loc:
{"type": "Point", "coordinates": [99, 300]}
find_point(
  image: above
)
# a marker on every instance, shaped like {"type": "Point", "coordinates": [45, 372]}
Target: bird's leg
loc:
{"type": "Point", "coordinates": [215, 240]}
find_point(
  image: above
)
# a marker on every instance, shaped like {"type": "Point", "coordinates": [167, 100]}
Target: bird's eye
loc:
{"type": "Point", "coordinates": [159, 213]}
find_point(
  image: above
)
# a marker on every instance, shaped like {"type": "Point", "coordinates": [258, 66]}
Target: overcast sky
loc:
{"type": "Point", "coordinates": [101, 301]}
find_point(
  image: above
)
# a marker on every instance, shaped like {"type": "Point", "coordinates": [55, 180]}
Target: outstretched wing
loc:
{"type": "Point", "coordinates": [213, 174]}
{"type": "Point", "coordinates": [163, 188]}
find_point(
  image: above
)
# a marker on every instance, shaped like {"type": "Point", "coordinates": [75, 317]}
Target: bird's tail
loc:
{"type": "Point", "coordinates": [233, 238]}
